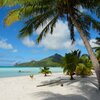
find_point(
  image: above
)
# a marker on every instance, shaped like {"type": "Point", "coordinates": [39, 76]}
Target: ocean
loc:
{"type": "Point", "coordinates": [10, 71]}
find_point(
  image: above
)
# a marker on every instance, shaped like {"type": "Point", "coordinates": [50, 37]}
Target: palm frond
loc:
{"type": "Point", "coordinates": [16, 2]}
{"type": "Point", "coordinates": [71, 29]}
{"type": "Point", "coordinates": [46, 29]}
{"type": "Point", "coordinates": [38, 12]}
{"type": "Point", "coordinates": [12, 17]}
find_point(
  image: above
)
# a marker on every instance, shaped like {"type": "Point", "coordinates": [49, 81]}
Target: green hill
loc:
{"type": "Point", "coordinates": [52, 61]}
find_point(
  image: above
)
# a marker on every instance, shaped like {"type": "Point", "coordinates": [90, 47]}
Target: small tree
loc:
{"type": "Point", "coordinates": [45, 71]}
{"type": "Point", "coordinates": [70, 61]}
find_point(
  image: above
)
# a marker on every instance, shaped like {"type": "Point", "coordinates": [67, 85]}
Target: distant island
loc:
{"type": "Point", "coordinates": [52, 61]}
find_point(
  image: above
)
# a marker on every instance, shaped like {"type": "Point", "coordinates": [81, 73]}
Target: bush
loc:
{"type": "Point", "coordinates": [83, 71]}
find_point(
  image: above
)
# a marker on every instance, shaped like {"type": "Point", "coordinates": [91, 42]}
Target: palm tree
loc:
{"type": "Point", "coordinates": [70, 61]}
{"type": "Point", "coordinates": [40, 12]}
{"type": "Point", "coordinates": [45, 71]}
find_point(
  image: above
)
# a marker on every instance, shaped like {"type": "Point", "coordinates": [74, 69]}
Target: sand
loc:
{"type": "Point", "coordinates": [25, 88]}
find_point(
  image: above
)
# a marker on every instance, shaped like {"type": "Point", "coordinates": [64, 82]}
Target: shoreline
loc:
{"type": "Point", "coordinates": [25, 88]}
{"type": "Point", "coordinates": [29, 75]}
{"type": "Point", "coordinates": [13, 72]}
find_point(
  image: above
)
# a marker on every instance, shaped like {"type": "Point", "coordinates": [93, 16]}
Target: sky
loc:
{"type": "Point", "coordinates": [14, 50]}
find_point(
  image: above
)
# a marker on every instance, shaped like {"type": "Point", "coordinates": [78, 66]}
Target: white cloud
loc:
{"type": "Point", "coordinates": [5, 45]}
{"type": "Point", "coordinates": [80, 42]}
{"type": "Point", "coordinates": [70, 46]}
{"type": "Point", "coordinates": [28, 42]}
{"type": "Point", "coordinates": [14, 50]}
{"type": "Point", "coordinates": [92, 43]}
{"type": "Point", "coordinates": [60, 38]}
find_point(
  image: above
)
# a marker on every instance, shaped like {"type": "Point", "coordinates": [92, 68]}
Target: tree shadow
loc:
{"type": "Point", "coordinates": [57, 81]}
{"type": "Point", "coordinates": [53, 96]}
{"type": "Point", "coordinates": [83, 92]}
{"type": "Point", "coordinates": [81, 89]}
{"type": "Point", "coordinates": [66, 82]}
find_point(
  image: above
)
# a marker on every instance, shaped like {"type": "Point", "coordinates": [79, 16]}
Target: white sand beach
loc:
{"type": "Point", "coordinates": [25, 88]}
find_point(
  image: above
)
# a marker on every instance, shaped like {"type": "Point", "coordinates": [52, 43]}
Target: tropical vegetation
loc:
{"type": "Point", "coordinates": [84, 68]}
{"type": "Point", "coordinates": [45, 71]}
{"type": "Point", "coordinates": [74, 63]}
{"type": "Point", "coordinates": [47, 12]}
{"type": "Point", "coordinates": [70, 62]}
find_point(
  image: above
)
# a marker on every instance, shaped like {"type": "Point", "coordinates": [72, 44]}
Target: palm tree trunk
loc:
{"type": "Point", "coordinates": [89, 49]}
{"type": "Point", "coordinates": [71, 77]}
{"type": "Point", "coordinates": [45, 74]}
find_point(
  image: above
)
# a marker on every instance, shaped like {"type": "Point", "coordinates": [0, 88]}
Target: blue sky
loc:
{"type": "Point", "coordinates": [14, 50]}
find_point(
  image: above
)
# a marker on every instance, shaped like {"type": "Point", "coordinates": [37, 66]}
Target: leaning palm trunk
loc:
{"type": "Point", "coordinates": [89, 49]}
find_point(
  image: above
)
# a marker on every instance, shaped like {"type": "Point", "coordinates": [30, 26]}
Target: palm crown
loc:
{"type": "Point", "coordinates": [70, 61]}
{"type": "Point", "coordinates": [39, 12]}
{"type": "Point", "coordinates": [45, 71]}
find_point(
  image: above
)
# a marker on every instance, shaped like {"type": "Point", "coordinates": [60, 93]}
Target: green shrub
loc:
{"type": "Point", "coordinates": [83, 71]}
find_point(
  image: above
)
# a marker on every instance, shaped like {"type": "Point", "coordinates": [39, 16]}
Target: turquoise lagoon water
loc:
{"type": "Point", "coordinates": [14, 71]}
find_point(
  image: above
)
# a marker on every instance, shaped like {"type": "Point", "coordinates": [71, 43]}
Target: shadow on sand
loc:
{"type": "Point", "coordinates": [85, 93]}
{"type": "Point", "coordinates": [87, 88]}
{"type": "Point", "coordinates": [52, 96]}
{"type": "Point", "coordinates": [66, 81]}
